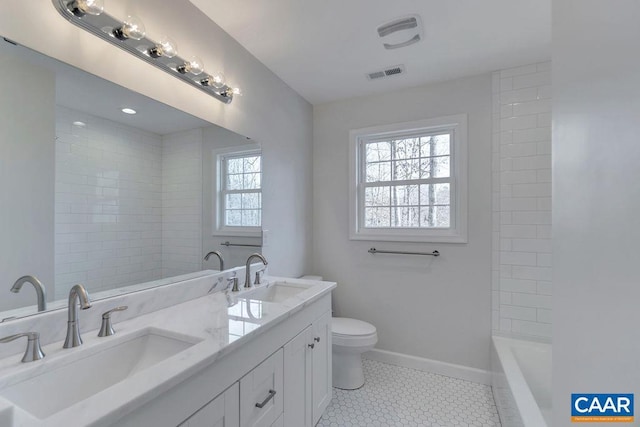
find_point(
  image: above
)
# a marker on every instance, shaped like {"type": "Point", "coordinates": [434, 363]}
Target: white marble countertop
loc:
{"type": "Point", "coordinates": [219, 323]}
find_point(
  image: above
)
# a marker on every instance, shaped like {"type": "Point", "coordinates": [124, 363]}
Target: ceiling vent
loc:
{"type": "Point", "coordinates": [401, 32]}
{"type": "Point", "coordinates": [388, 72]}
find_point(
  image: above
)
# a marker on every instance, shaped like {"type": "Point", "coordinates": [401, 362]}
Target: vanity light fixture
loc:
{"type": "Point", "coordinates": [236, 91]}
{"type": "Point", "coordinates": [166, 47]}
{"type": "Point", "coordinates": [132, 28]}
{"type": "Point", "coordinates": [193, 66]}
{"type": "Point", "coordinates": [216, 80]}
{"type": "Point", "coordinates": [81, 7]}
{"type": "Point", "coordinates": [130, 35]}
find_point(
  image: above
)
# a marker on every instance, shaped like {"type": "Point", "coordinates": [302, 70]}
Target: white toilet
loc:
{"type": "Point", "coordinates": [351, 338]}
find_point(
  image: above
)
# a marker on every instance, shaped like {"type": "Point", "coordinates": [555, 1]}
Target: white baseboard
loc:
{"type": "Point", "coordinates": [429, 365]}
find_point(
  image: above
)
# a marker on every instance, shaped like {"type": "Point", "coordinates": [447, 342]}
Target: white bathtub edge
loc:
{"type": "Point", "coordinates": [525, 402]}
{"type": "Point", "coordinates": [429, 365]}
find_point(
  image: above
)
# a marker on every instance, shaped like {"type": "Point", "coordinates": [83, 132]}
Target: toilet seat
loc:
{"type": "Point", "coordinates": [352, 332]}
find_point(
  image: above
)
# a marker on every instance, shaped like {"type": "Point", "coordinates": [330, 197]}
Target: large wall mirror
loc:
{"type": "Point", "coordinates": [90, 194]}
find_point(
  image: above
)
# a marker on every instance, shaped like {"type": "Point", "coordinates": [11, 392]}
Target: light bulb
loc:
{"type": "Point", "coordinates": [194, 66]}
{"type": "Point", "coordinates": [207, 81]}
{"type": "Point", "coordinates": [133, 28]}
{"type": "Point", "coordinates": [218, 80]}
{"type": "Point", "coordinates": [237, 91]}
{"type": "Point", "coordinates": [81, 7]}
{"type": "Point", "coordinates": [166, 47]}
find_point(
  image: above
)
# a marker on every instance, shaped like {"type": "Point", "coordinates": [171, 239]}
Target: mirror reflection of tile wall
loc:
{"type": "Point", "coordinates": [128, 203]}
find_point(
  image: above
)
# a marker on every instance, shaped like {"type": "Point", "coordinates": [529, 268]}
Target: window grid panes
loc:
{"type": "Point", "coordinates": [406, 182]}
{"type": "Point", "coordinates": [241, 190]}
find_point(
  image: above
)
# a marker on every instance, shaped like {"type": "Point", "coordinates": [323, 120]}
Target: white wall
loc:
{"type": "Point", "coordinates": [26, 178]}
{"type": "Point", "coordinates": [108, 203]}
{"type": "Point", "coordinates": [596, 188]}
{"type": "Point", "coordinates": [522, 200]}
{"type": "Point", "coordinates": [434, 308]}
{"type": "Point", "coordinates": [270, 112]}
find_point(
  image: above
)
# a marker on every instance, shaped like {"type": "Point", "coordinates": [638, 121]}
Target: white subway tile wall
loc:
{"type": "Point", "coordinates": [108, 220]}
{"type": "Point", "coordinates": [522, 283]}
{"type": "Point", "coordinates": [122, 194]}
{"type": "Point", "coordinates": [182, 203]}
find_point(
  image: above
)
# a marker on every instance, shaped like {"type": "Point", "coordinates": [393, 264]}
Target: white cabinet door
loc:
{"type": "Point", "coordinates": [279, 422]}
{"type": "Point", "coordinates": [223, 411]}
{"type": "Point", "coordinates": [321, 366]}
{"type": "Point", "coordinates": [261, 393]}
{"type": "Point", "coordinates": [297, 380]}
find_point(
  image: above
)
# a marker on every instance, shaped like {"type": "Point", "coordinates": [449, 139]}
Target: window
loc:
{"type": "Point", "coordinates": [408, 181]}
{"type": "Point", "coordinates": [240, 191]}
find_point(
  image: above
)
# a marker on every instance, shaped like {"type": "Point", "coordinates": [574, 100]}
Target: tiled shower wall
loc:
{"type": "Point", "coordinates": [521, 240]}
{"type": "Point", "coordinates": [128, 203]}
{"type": "Point", "coordinates": [108, 221]}
{"type": "Point", "coordinates": [182, 203]}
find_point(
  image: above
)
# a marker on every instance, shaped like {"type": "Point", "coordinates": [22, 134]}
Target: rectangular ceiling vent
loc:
{"type": "Point", "coordinates": [388, 72]}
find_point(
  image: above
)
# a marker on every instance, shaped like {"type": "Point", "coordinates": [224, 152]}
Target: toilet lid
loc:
{"type": "Point", "coordinates": [351, 327]}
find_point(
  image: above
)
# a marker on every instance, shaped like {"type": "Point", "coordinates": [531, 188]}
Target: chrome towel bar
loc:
{"type": "Point", "coordinates": [227, 244]}
{"type": "Point", "coordinates": [376, 251]}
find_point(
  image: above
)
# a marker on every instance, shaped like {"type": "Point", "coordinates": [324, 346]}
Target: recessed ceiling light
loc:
{"type": "Point", "coordinates": [128, 111]}
{"type": "Point", "coordinates": [79, 124]}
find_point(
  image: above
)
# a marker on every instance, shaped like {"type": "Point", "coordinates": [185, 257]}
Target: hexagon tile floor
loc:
{"type": "Point", "coordinates": [396, 396]}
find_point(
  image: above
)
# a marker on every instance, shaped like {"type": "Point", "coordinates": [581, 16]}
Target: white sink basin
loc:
{"type": "Point", "coordinates": [86, 373]}
{"type": "Point", "coordinates": [277, 292]}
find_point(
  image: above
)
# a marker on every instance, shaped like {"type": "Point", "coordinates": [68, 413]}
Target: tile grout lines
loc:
{"type": "Point", "coordinates": [397, 396]}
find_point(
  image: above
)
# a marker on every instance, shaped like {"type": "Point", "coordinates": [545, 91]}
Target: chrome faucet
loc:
{"type": "Point", "coordinates": [106, 328]}
{"type": "Point", "coordinates": [34, 351]}
{"type": "Point", "coordinates": [219, 255]}
{"type": "Point", "coordinates": [77, 293]}
{"type": "Point", "coordinates": [247, 277]}
{"type": "Point", "coordinates": [40, 291]}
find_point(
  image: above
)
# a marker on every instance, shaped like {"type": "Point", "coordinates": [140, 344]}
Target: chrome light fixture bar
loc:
{"type": "Point", "coordinates": [130, 36]}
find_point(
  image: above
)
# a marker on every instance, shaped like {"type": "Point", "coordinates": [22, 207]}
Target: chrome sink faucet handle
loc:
{"type": "Point", "coordinates": [37, 284]}
{"type": "Point", "coordinates": [247, 277]}
{"type": "Point", "coordinates": [34, 351]}
{"type": "Point", "coordinates": [106, 329]}
{"type": "Point", "coordinates": [219, 255]}
{"type": "Point", "coordinates": [233, 281]}
{"type": "Point", "coordinates": [259, 275]}
{"type": "Point", "coordinates": [77, 294]}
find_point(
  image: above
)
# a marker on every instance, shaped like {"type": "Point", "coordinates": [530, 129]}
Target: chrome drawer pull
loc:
{"type": "Point", "coordinates": [264, 402]}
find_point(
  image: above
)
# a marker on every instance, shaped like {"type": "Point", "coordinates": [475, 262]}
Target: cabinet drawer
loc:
{"type": "Point", "coordinates": [261, 401]}
{"type": "Point", "coordinates": [222, 411]}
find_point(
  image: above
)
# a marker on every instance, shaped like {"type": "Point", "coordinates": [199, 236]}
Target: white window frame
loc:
{"type": "Point", "coordinates": [457, 232]}
{"type": "Point", "coordinates": [218, 169]}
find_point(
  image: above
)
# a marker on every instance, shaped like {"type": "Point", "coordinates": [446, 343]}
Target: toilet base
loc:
{"type": "Point", "coordinates": [347, 370]}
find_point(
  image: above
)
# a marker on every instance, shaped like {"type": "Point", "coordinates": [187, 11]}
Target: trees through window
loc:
{"type": "Point", "coordinates": [408, 181]}
{"type": "Point", "coordinates": [241, 190]}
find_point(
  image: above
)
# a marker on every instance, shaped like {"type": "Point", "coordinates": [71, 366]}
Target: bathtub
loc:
{"type": "Point", "coordinates": [521, 380]}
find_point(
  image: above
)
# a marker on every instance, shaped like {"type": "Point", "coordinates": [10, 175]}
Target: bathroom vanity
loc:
{"type": "Point", "coordinates": [258, 357]}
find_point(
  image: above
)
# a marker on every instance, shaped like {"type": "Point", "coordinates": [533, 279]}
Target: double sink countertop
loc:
{"type": "Point", "coordinates": [107, 377]}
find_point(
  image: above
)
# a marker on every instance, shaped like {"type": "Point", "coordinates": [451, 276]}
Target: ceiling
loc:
{"type": "Point", "coordinates": [81, 91]}
{"type": "Point", "coordinates": [324, 49]}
